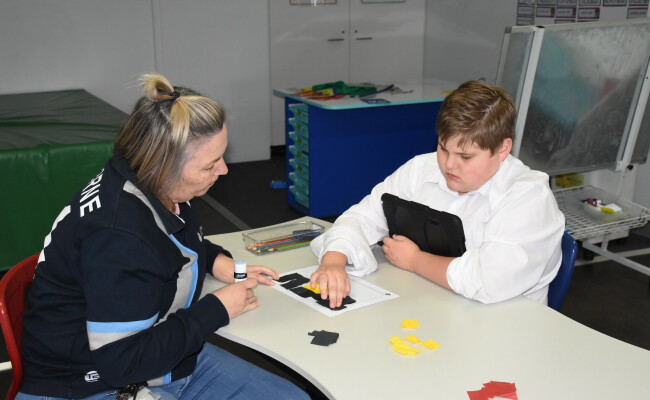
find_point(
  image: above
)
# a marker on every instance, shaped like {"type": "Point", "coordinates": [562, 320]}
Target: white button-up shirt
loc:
{"type": "Point", "coordinates": [512, 224]}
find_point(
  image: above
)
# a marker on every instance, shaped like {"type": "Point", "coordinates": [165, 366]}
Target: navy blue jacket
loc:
{"type": "Point", "coordinates": [115, 297]}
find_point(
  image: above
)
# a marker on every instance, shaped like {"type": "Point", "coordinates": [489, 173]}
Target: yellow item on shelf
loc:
{"type": "Point", "coordinates": [569, 180]}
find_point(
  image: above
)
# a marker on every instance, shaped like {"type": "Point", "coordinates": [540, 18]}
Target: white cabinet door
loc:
{"type": "Point", "coordinates": [349, 40]}
{"type": "Point", "coordinates": [386, 41]}
{"type": "Point", "coordinates": [309, 45]}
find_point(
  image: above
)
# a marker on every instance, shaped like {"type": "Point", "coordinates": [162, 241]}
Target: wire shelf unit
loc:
{"type": "Point", "coordinates": [582, 227]}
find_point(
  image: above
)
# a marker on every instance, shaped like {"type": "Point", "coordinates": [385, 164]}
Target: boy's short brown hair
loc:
{"type": "Point", "coordinates": [479, 114]}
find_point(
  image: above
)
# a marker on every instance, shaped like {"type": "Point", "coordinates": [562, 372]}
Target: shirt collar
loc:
{"type": "Point", "coordinates": [173, 223]}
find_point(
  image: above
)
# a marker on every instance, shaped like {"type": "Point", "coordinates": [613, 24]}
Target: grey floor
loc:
{"type": "Point", "coordinates": [603, 295]}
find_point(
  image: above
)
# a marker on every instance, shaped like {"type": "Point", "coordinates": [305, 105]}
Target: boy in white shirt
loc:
{"type": "Point", "coordinates": [512, 225]}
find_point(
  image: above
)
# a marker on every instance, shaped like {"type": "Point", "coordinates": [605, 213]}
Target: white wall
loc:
{"type": "Point", "coordinates": [221, 48]}
{"type": "Point", "coordinates": [463, 38]}
{"type": "Point", "coordinates": [218, 47]}
{"type": "Point", "coordinates": [96, 45]}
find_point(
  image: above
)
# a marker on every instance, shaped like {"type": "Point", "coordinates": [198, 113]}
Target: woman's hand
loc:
{"type": "Point", "coordinates": [262, 274]}
{"type": "Point", "coordinates": [400, 251]}
{"type": "Point", "coordinates": [238, 297]}
{"type": "Point", "coordinates": [224, 270]}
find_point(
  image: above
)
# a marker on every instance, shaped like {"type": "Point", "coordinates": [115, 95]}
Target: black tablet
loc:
{"type": "Point", "coordinates": [436, 232]}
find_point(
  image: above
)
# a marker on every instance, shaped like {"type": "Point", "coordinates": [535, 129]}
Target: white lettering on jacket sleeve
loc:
{"type": "Point", "coordinates": [92, 189]}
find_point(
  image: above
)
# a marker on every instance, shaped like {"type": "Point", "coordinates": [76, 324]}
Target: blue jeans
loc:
{"type": "Point", "coordinates": [218, 375]}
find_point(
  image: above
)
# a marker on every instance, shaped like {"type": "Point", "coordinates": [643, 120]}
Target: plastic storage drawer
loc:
{"type": "Point", "coordinates": [299, 169]}
{"type": "Point", "coordinates": [299, 182]}
{"type": "Point", "coordinates": [299, 126]}
{"type": "Point", "coordinates": [301, 197]}
{"type": "Point", "coordinates": [300, 111]}
{"type": "Point", "coordinates": [299, 154]}
{"type": "Point", "coordinates": [299, 141]}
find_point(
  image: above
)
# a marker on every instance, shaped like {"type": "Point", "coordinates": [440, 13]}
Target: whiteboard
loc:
{"type": "Point", "coordinates": [578, 88]}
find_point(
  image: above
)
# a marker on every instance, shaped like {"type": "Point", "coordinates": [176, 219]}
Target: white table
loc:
{"type": "Point", "coordinates": [547, 355]}
{"type": "Point", "coordinates": [433, 90]}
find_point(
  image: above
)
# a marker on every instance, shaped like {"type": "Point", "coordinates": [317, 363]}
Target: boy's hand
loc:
{"type": "Point", "coordinates": [332, 278]}
{"type": "Point", "coordinates": [400, 251]}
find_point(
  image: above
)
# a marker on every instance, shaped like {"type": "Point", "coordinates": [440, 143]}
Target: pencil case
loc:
{"type": "Point", "coordinates": [281, 238]}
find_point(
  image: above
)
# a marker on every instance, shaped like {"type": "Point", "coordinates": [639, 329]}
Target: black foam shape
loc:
{"type": "Point", "coordinates": [302, 292]}
{"type": "Point", "coordinates": [295, 282]}
{"type": "Point", "coordinates": [289, 277]}
{"type": "Point", "coordinates": [324, 338]}
{"type": "Point", "coordinates": [326, 303]}
{"type": "Point", "coordinates": [348, 300]}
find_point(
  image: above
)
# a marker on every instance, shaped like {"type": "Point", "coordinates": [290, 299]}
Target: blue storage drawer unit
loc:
{"type": "Point", "coordinates": [338, 150]}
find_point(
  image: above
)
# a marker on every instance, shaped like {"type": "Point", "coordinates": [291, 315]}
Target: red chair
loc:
{"type": "Point", "coordinates": [12, 306]}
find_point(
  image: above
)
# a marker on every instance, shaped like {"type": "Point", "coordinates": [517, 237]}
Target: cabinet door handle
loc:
{"type": "Point", "coordinates": [365, 38]}
{"type": "Point", "coordinates": [335, 40]}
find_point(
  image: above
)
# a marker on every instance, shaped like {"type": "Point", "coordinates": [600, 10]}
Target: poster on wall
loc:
{"type": "Point", "coordinates": [526, 12]}
{"type": "Point", "coordinates": [547, 12]}
{"type": "Point", "coordinates": [546, 9]}
{"type": "Point", "coordinates": [637, 9]}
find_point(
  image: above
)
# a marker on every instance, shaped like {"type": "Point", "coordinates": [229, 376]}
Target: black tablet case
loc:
{"type": "Point", "coordinates": [434, 231]}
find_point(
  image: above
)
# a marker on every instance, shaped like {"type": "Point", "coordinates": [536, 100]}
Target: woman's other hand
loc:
{"type": "Point", "coordinates": [238, 297]}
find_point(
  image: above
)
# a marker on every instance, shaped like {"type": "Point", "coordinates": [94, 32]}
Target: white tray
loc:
{"type": "Point", "coordinates": [586, 222]}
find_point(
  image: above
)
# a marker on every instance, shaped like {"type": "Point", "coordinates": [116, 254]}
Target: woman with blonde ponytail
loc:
{"type": "Point", "coordinates": [114, 307]}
